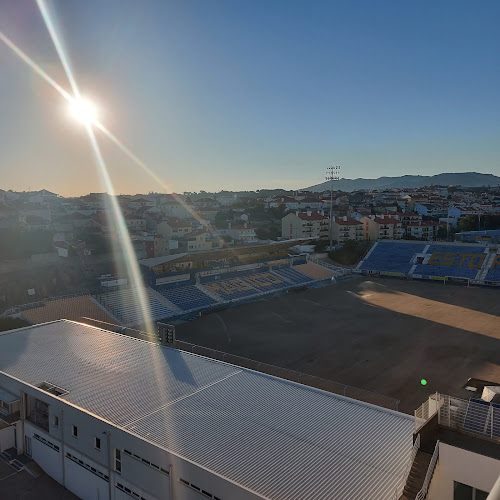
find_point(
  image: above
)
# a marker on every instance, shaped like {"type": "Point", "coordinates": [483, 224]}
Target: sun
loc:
{"type": "Point", "coordinates": [84, 111]}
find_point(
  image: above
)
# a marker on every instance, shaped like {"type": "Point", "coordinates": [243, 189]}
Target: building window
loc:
{"type": "Point", "coordinates": [74, 430]}
{"type": "Point", "coordinates": [55, 421]}
{"type": "Point", "coordinates": [118, 461]}
{"type": "Point", "coordinates": [97, 443]}
{"type": "Point", "coordinates": [465, 492]}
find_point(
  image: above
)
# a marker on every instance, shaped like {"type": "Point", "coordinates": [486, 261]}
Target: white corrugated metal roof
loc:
{"type": "Point", "coordinates": [277, 438]}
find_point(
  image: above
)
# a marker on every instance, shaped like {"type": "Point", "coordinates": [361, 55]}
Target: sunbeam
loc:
{"type": "Point", "coordinates": [114, 214]}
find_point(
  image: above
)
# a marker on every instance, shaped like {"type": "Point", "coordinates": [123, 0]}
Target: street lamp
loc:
{"type": "Point", "coordinates": [332, 174]}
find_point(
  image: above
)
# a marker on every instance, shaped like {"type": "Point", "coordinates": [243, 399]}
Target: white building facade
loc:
{"type": "Point", "coordinates": [113, 417]}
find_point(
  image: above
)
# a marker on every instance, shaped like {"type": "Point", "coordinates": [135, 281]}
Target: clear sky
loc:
{"type": "Point", "coordinates": [216, 94]}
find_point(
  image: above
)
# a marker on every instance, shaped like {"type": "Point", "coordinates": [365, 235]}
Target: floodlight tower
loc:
{"type": "Point", "coordinates": [332, 174]}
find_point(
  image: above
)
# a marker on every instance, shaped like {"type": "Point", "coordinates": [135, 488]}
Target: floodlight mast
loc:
{"type": "Point", "coordinates": [332, 174]}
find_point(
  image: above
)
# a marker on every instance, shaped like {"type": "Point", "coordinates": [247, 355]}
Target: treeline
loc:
{"type": "Point", "coordinates": [18, 244]}
{"type": "Point", "coordinates": [472, 223]}
{"type": "Point", "coordinates": [351, 253]}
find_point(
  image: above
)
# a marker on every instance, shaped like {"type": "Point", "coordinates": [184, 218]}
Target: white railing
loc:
{"type": "Point", "coordinates": [426, 411]}
{"type": "Point", "coordinates": [430, 472]}
{"type": "Point", "coordinates": [477, 417]}
{"type": "Point", "coordinates": [401, 486]}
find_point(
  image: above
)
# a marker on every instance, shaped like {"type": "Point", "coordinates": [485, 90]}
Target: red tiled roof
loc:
{"type": "Point", "coordinates": [313, 216]}
{"type": "Point", "coordinates": [386, 220]}
{"type": "Point", "coordinates": [349, 222]}
{"type": "Point", "coordinates": [176, 222]}
{"type": "Point", "coordinates": [426, 223]}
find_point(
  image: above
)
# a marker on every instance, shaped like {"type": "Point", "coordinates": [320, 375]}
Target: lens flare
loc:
{"type": "Point", "coordinates": [84, 111]}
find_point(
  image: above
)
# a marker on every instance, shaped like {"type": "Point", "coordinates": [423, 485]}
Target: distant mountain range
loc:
{"type": "Point", "coordinates": [465, 179]}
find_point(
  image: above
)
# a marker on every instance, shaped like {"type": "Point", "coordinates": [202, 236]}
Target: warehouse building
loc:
{"type": "Point", "coordinates": [113, 417]}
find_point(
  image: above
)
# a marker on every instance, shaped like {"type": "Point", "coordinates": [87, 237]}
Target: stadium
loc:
{"type": "Point", "coordinates": [467, 263]}
{"type": "Point", "coordinates": [408, 313]}
{"type": "Point", "coordinates": [297, 316]}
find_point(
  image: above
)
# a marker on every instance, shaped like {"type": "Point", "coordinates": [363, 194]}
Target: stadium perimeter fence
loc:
{"type": "Point", "coordinates": [293, 375]}
{"type": "Point", "coordinates": [349, 391]}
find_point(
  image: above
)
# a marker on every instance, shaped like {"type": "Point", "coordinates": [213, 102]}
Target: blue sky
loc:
{"type": "Point", "coordinates": [245, 95]}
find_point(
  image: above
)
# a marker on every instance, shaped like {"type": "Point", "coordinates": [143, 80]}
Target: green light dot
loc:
{"type": "Point", "coordinates": [423, 381]}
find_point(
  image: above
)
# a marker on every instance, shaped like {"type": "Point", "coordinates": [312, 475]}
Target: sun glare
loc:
{"type": "Point", "coordinates": [84, 111]}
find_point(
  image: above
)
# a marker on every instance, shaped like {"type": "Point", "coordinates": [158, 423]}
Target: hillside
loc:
{"type": "Point", "coordinates": [465, 179]}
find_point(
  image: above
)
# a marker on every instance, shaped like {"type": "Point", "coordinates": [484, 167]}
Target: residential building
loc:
{"type": "Point", "coordinates": [346, 228]}
{"type": "Point", "coordinates": [174, 227]}
{"type": "Point", "coordinates": [164, 245]}
{"type": "Point", "coordinates": [242, 233]}
{"type": "Point", "coordinates": [382, 228]}
{"type": "Point", "coordinates": [141, 202]}
{"type": "Point", "coordinates": [422, 230]}
{"type": "Point", "coordinates": [135, 223]}
{"type": "Point", "coordinates": [305, 225]}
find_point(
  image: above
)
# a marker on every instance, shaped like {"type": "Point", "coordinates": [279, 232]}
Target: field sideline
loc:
{"type": "Point", "coordinates": [383, 335]}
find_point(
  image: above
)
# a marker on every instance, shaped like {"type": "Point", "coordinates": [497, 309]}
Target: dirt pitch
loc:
{"type": "Point", "coordinates": [384, 335]}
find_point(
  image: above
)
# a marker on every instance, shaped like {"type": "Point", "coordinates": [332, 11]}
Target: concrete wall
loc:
{"type": "Point", "coordinates": [7, 438]}
{"type": "Point", "coordinates": [456, 464]}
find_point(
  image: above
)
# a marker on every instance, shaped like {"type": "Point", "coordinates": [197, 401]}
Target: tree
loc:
{"type": "Point", "coordinates": [491, 222]}
{"type": "Point", "coordinates": [321, 245]}
{"type": "Point", "coordinates": [468, 223]}
{"type": "Point", "coordinates": [351, 252]}
{"type": "Point", "coordinates": [262, 233]}
{"type": "Point", "coordinates": [222, 218]}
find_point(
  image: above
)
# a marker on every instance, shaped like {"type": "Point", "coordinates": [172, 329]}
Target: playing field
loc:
{"type": "Point", "coordinates": [384, 335]}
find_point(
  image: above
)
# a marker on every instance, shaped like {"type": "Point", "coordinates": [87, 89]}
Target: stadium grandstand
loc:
{"type": "Point", "coordinates": [184, 286]}
{"type": "Point", "coordinates": [74, 308]}
{"type": "Point", "coordinates": [123, 305]}
{"type": "Point", "coordinates": [469, 263]}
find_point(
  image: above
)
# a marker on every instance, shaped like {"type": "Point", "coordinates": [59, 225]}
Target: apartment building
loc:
{"type": "Point", "coordinates": [135, 223]}
{"type": "Point", "coordinates": [346, 228]}
{"type": "Point", "coordinates": [305, 225]}
{"type": "Point", "coordinates": [382, 228]}
{"type": "Point", "coordinates": [243, 233]}
{"type": "Point", "coordinates": [423, 230]}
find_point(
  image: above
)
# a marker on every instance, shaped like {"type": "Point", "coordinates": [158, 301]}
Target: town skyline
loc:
{"type": "Point", "coordinates": [477, 176]}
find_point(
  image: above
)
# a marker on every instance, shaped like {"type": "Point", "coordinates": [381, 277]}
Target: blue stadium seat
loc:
{"type": "Point", "coordinates": [231, 289]}
{"type": "Point", "coordinates": [398, 257]}
{"type": "Point", "coordinates": [493, 275]}
{"type": "Point", "coordinates": [266, 282]}
{"type": "Point", "coordinates": [387, 251]}
{"type": "Point", "coordinates": [123, 304]}
{"type": "Point", "coordinates": [392, 257]}
{"type": "Point", "coordinates": [292, 276]}
{"type": "Point", "coordinates": [187, 297]}
{"type": "Point", "coordinates": [455, 248]}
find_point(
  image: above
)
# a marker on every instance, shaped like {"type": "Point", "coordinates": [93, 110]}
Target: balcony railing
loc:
{"type": "Point", "coordinates": [10, 418]}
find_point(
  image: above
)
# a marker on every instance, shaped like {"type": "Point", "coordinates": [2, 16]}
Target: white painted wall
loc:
{"type": "Point", "coordinates": [7, 438]}
{"type": "Point", "coordinates": [83, 483]}
{"type": "Point", "coordinates": [456, 464]}
{"type": "Point", "coordinates": [47, 458]}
